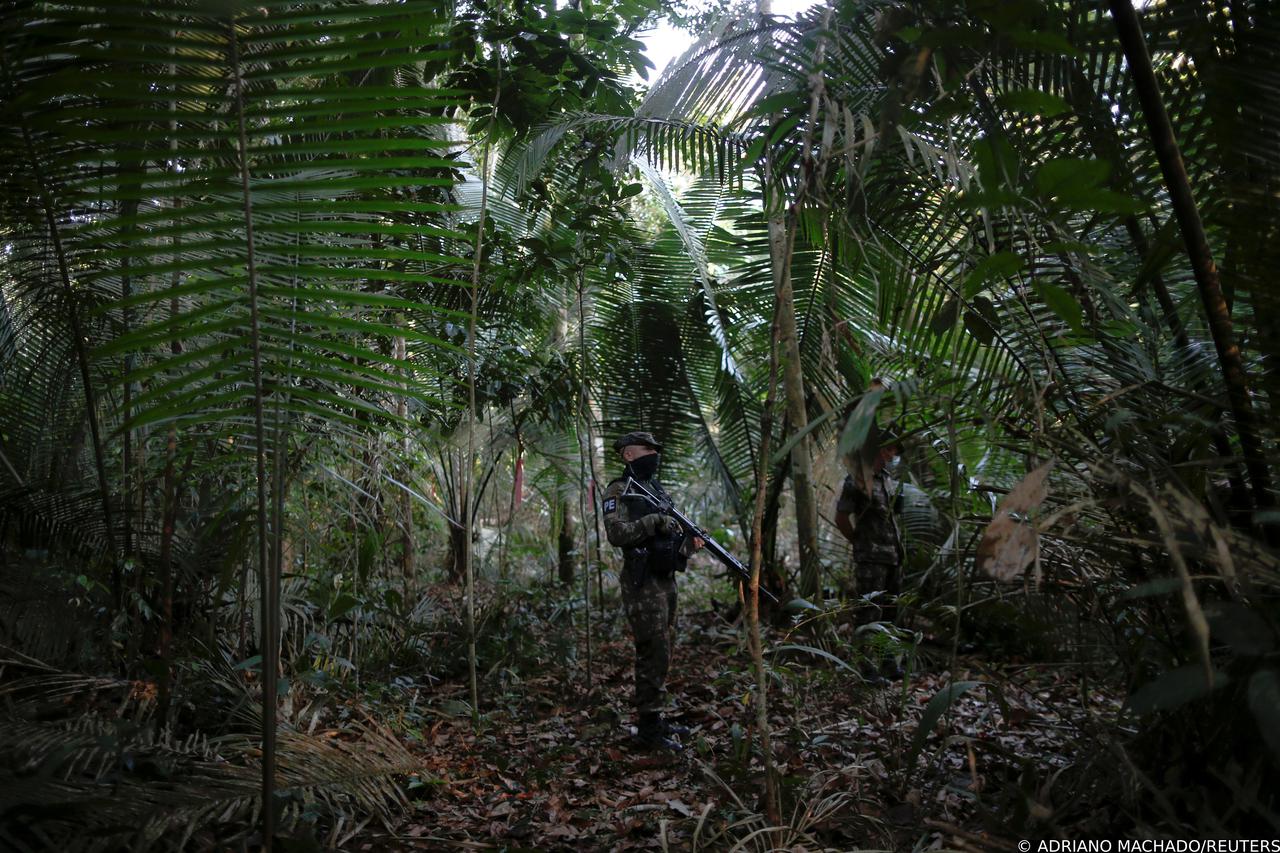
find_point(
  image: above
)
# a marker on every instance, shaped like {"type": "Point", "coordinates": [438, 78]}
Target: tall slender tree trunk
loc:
{"type": "Point", "coordinates": [517, 485]}
{"type": "Point", "coordinates": [167, 524]}
{"type": "Point", "coordinates": [783, 227]}
{"type": "Point", "coordinates": [408, 545]}
{"type": "Point", "coordinates": [773, 806]}
{"type": "Point", "coordinates": [269, 581]}
{"type": "Point", "coordinates": [1206, 272]}
{"type": "Point", "coordinates": [469, 463]}
{"type": "Point", "coordinates": [169, 487]}
{"type": "Point", "coordinates": [1103, 138]}
{"type": "Point", "coordinates": [128, 210]}
{"type": "Point", "coordinates": [566, 564]}
{"type": "Point", "coordinates": [584, 450]}
{"type": "Point", "coordinates": [780, 242]}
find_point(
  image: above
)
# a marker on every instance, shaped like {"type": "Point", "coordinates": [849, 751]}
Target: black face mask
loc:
{"type": "Point", "coordinates": [645, 467]}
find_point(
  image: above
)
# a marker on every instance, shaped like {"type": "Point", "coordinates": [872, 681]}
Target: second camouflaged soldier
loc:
{"type": "Point", "coordinates": [864, 515]}
{"type": "Point", "coordinates": [654, 548]}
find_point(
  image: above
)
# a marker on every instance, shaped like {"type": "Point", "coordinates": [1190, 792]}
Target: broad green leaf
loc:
{"type": "Point", "coordinates": [1070, 174]}
{"type": "Point", "coordinates": [1094, 199]}
{"type": "Point", "coordinates": [1043, 41]}
{"type": "Point", "coordinates": [341, 605]}
{"type": "Point", "coordinates": [981, 320]}
{"type": "Point", "coordinates": [998, 163]}
{"type": "Point", "coordinates": [1174, 688]}
{"type": "Point", "coordinates": [1063, 304]}
{"type": "Point", "coordinates": [859, 425]}
{"type": "Point", "coordinates": [776, 103]}
{"type": "Point", "coordinates": [810, 650]}
{"type": "Point", "coordinates": [1241, 627]}
{"type": "Point", "coordinates": [945, 320]}
{"type": "Point", "coordinates": [994, 267]}
{"type": "Point", "coordinates": [1034, 101]}
{"type": "Point", "coordinates": [795, 438]}
{"type": "Point", "coordinates": [1158, 586]}
{"type": "Point", "coordinates": [797, 605]}
{"type": "Point", "coordinates": [933, 712]}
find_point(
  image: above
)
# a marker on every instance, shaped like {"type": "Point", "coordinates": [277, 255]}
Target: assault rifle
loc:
{"type": "Point", "coordinates": [634, 489]}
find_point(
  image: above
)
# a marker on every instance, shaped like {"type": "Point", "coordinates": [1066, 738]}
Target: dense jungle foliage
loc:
{"type": "Point", "coordinates": [318, 321]}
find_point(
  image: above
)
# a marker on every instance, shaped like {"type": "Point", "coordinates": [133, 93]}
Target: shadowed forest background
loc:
{"type": "Point", "coordinates": [318, 321]}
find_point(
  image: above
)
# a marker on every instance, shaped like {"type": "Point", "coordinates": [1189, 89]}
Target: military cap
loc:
{"type": "Point", "coordinates": [645, 438]}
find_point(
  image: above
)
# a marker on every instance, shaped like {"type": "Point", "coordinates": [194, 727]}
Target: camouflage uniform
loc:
{"type": "Point", "coordinates": [877, 543]}
{"type": "Point", "coordinates": [653, 552]}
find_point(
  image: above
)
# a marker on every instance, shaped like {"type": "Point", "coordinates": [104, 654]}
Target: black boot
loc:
{"type": "Point", "coordinates": [674, 729]}
{"type": "Point", "coordinates": [652, 733]}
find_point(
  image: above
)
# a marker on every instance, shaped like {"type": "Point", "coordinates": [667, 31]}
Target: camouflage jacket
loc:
{"type": "Point", "coordinates": [644, 535]}
{"type": "Point", "coordinates": [876, 538]}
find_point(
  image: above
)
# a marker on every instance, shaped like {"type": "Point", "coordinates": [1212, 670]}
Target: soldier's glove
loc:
{"type": "Point", "coordinates": [655, 523]}
{"type": "Point", "coordinates": [672, 527]}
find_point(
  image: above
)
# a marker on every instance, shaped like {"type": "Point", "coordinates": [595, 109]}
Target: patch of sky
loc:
{"type": "Point", "coordinates": [665, 42]}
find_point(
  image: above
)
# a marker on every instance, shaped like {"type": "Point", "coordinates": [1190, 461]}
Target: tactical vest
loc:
{"type": "Point", "coordinates": [660, 555]}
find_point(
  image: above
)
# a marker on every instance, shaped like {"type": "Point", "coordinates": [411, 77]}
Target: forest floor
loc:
{"type": "Point", "coordinates": [552, 765]}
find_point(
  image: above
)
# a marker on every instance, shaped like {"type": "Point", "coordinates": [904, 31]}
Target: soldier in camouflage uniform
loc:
{"type": "Point", "coordinates": [865, 517]}
{"type": "Point", "coordinates": [654, 549]}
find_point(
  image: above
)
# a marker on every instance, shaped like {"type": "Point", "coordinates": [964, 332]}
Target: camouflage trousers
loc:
{"type": "Point", "coordinates": [871, 575]}
{"type": "Point", "coordinates": [650, 604]}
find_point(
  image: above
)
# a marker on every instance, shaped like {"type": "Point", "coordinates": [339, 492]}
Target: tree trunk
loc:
{"type": "Point", "coordinates": [169, 513]}
{"type": "Point", "coordinates": [456, 568]}
{"type": "Point", "coordinates": [772, 804]}
{"type": "Point", "coordinates": [1103, 137]}
{"type": "Point", "coordinates": [408, 546]}
{"type": "Point", "coordinates": [783, 228]}
{"type": "Point", "coordinates": [270, 582]}
{"type": "Point", "coordinates": [584, 450]}
{"type": "Point", "coordinates": [1206, 273]}
{"type": "Point", "coordinates": [781, 240]}
{"type": "Point", "coordinates": [565, 547]}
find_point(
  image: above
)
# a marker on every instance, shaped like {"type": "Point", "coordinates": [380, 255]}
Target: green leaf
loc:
{"type": "Point", "coordinates": [1070, 174]}
{"type": "Point", "coordinates": [1241, 627]}
{"type": "Point", "coordinates": [797, 605]}
{"type": "Point", "coordinates": [933, 712]}
{"type": "Point", "coordinates": [1174, 688]}
{"type": "Point", "coordinates": [945, 320]}
{"type": "Point", "coordinates": [997, 163]}
{"type": "Point", "coordinates": [1063, 304]}
{"type": "Point", "coordinates": [776, 103]}
{"type": "Point", "coordinates": [981, 320]}
{"type": "Point", "coordinates": [1158, 586]}
{"type": "Point", "coordinates": [341, 605]}
{"type": "Point", "coordinates": [795, 438]}
{"type": "Point", "coordinates": [1034, 101]}
{"type": "Point", "coordinates": [810, 650]}
{"type": "Point", "coordinates": [784, 127]}
{"type": "Point", "coordinates": [859, 425]}
{"type": "Point", "coordinates": [1092, 199]}
{"type": "Point", "coordinates": [1045, 42]}
{"type": "Point", "coordinates": [994, 267]}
